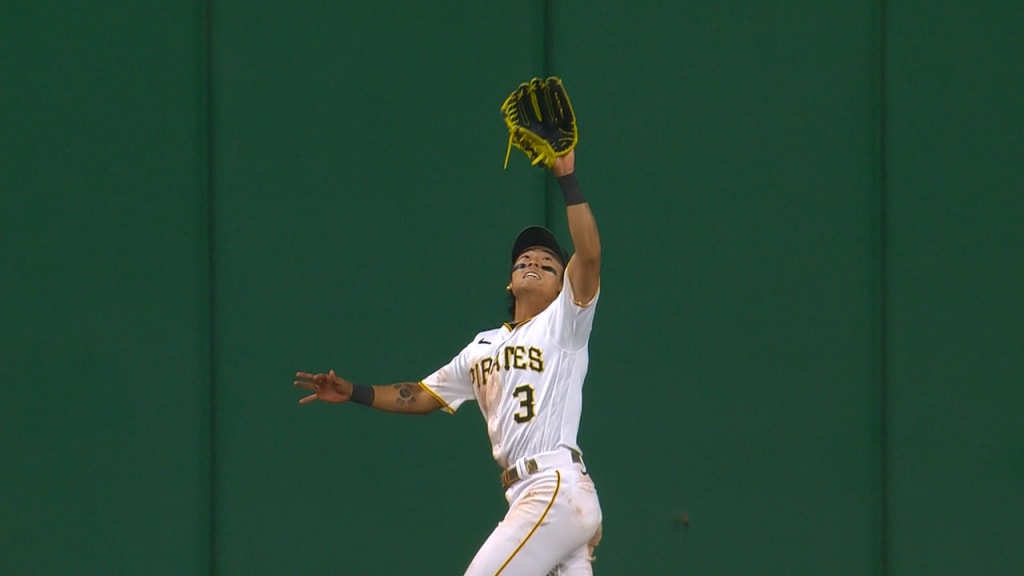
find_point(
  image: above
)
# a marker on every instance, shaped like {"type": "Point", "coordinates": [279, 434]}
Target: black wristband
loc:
{"type": "Point", "coordinates": [362, 394]}
{"type": "Point", "coordinates": [571, 189]}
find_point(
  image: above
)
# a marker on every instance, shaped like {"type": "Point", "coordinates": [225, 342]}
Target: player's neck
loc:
{"type": "Point", "coordinates": [527, 307]}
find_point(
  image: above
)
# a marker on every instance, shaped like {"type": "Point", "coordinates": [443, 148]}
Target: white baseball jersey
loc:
{"type": "Point", "coordinates": [527, 379]}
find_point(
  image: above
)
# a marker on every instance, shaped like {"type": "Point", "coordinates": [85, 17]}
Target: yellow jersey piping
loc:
{"type": "Point", "coordinates": [436, 397]}
{"type": "Point", "coordinates": [511, 327]}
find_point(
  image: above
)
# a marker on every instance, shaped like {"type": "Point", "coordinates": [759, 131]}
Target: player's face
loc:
{"type": "Point", "coordinates": [537, 269]}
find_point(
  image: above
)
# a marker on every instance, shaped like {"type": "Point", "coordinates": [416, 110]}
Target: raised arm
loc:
{"type": "Point", "coordinates": [584, 268]}
{"type": "Point", "coordinates": [401, 398]}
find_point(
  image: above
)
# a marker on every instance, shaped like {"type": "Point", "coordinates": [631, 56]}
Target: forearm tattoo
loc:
{"type": "Point", "coordinates": [405, 394]}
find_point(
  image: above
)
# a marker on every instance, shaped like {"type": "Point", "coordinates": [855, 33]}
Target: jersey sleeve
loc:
{"type": "Point", "coordinates": [572, 320]}
{"type": "Point", "coordinates": [451, 384]}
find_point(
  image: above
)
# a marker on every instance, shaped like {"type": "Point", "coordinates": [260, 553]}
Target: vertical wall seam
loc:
{"type": "Point", "coordinates": [211, 293]}
{"type": "Point", "coordinates": [883, 286]}
{"type": "Point", "coordinates": [550, 212]}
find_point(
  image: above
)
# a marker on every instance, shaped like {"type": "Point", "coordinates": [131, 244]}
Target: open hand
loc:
{"type": "Point", "coordinates": [326, 387]}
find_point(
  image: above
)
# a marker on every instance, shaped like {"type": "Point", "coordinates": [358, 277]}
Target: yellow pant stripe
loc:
{"type": "Point", "coordinates": [558, 484]}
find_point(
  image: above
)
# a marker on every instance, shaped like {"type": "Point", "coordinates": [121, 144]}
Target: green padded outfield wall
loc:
{"type": "Point", "coordinates": [104, 437]}
{"type": "Point", "coordinates": [955, 287]}
{"type": "Point", "coordinates": [809, 342]}
{"type": "Point", "coordinates": [363, 222]}
{"type": "Point", "coordinates": [731, 149]}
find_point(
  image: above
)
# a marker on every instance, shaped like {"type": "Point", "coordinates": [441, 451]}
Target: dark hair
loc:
{"type": "Point", "coordinates": [511, 305]}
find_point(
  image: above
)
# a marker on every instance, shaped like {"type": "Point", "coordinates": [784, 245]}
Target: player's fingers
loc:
{"type": "Point", "coordinates": [307, 399]}
{"type": "Point", "coordinates": [304, 375]}
{"type": "Point", "coordinates": [306, 385]}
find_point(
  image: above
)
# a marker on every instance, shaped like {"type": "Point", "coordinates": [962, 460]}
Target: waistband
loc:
{"type": "Point", "coordinates": [538, 463]}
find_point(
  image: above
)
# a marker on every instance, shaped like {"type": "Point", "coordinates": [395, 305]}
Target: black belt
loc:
{"type": "Point", "coordinates": [511, 476]}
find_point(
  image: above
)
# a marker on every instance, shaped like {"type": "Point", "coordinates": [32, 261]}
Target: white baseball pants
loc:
{"type": "Point", "coordinates": [552, 525]}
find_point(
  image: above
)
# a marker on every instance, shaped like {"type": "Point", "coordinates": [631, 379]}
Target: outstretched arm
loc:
{"type": "Point", "coordinates": [584, 268]}
{"type": "Point", "coordinates": [401, 398]}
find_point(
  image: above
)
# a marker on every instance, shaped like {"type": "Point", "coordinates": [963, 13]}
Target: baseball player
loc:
{"type": "Point", "coordinates": [527, 377]}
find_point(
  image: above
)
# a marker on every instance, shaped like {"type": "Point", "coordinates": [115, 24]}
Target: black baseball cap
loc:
{"type": "Point", "coordinates": [538, 236]}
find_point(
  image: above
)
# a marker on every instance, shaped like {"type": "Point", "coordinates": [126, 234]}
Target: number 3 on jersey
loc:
{"type": "Point", "coordinates": [524, 393]}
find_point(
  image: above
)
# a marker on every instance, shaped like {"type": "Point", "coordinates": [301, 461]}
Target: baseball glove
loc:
{"type": "Point", "coordinates": [540, 121]}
